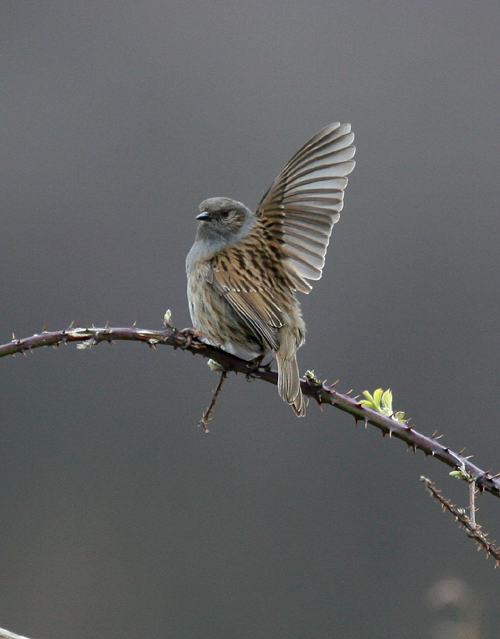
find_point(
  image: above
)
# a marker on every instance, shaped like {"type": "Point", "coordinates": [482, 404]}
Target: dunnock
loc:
{"type": "Point", "coordinates": [244, 268]}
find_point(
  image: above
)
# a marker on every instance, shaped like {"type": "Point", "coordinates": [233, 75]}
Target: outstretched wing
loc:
{"type": "Point", "coordinates": [304, 202]}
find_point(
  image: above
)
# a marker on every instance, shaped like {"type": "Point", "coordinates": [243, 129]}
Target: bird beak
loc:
{"type": "Point", "coordinates": [203, 216]}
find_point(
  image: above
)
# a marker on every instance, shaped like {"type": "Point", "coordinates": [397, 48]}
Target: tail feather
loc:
{"type": "Point", "coordinates": [288, 376]}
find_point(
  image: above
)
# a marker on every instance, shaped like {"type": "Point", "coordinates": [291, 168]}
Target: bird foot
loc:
{"type": "Point", "coordinates": [190, 334]}
{"type": "Point", "coordinates": [254, 364]}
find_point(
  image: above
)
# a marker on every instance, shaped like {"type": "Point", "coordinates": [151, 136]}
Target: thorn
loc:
{"type": "Point", "coordinates": [334, 384]}
{"type": "Point", "coordinates": [439, 437]}
{"type": "Point", "coordinates": [133, 326]}
{"type": "Point", "coordinates": [13, 337]}
{"type": "Point", "coordinates": [469, 457]}
{"type": "Point", "coordinates": [107, 324]}
{"type": "Point", "coordinates": [71, 325]}
{"type": "Point", "coordinates": [349, 392]}
{"type": "Point", "coordinates": [366, 423]}
{"type": "Point", "coordinates": [357, 397]}
{"type": "Point", "coordinates": [461, 452]}
{"type": "Point", "coordinates": [44, 329]}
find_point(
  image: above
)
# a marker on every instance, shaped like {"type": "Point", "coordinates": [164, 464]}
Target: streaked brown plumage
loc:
{"type": "Point", "coordinates": [244, 268]}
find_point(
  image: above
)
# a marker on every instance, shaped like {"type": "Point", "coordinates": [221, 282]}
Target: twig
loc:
{"type": "Point", "coordinates": [472, 503]}
{"type": "Point", "coordinates": [207, 415]}
{"type": "Point", "coordinates": [311, 387]}
{"type": "Point", "coordinates": [472, 528]}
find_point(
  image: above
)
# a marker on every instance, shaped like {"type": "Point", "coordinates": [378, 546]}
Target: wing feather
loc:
{"type": "Point", "coordinates": [253, 305]}
{"type": "Point", "coordinates": [305, 201]}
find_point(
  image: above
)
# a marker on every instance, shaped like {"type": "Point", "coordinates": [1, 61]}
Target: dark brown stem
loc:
{"type": "Point", "coordinates": [207, 416]}
{"type": "Point", "coordinates": [472, 528]}
{"type": "Point", "coordinates": [323, 394]}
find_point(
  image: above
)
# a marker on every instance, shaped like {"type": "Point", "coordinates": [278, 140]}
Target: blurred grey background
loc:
{"type": "Point", "coordinates": [118, 515]}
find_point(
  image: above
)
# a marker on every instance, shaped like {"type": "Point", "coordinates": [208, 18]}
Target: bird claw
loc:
{"type": "Point", "coordinates": [254, 364]}
{"type": "Point", "coordinates": [267, 367]}
{"type": "Point", "coordinates": [190, 334]}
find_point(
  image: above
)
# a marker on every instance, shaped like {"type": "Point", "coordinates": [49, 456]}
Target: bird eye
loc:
{"type": "Point", "coordinates": [224, 215]}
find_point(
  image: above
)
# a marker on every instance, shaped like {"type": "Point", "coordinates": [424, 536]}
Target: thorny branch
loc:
{"type": "Point", "coordinates": [311, 387]}
{"type": "Point", "coordinates": [472, 528]}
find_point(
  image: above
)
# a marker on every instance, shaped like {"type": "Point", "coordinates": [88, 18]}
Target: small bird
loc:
{"type": "Point", "coordinates": [244, 268]}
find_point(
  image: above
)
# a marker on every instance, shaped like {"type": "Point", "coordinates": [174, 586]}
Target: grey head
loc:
{"type": "Point", "coordinates": [222, 221]}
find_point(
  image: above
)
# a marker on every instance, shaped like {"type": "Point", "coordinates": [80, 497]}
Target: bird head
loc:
{"type": "Point", "coordinates": [223, 218]}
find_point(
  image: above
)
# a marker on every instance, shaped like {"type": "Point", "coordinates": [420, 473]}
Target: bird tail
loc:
{"type": "Point", "coordinates": [288, 374]}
